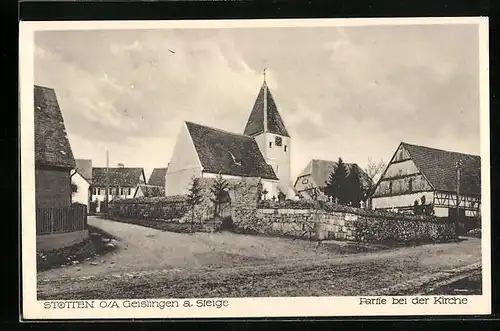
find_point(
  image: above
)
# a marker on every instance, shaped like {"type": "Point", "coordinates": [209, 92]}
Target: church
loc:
{"type": "Point", "coordinates": [262, 151]}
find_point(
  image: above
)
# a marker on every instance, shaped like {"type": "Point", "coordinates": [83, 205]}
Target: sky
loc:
{"type": "Point", "coordinates": [350, 92]}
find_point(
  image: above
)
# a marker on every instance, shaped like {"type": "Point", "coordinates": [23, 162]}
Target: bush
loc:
{"type": "Point", "coordinates": [476, 233]}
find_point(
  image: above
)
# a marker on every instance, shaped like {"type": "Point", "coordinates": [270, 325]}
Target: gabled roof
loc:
{"type": "Point", "coordinates": [265, 120]}
{"type": "Point", "coordinates": [152, 191]}
{"type": "Point", "coordinates": [117, 176]}
{"type": "Point", "coordinates": [84, 168]}
{"type": "Point", "coordinates": [228, 153]}
{"type": "Point", "coordinates": [52, 147]}
{"type": "Point", "coordinates": [320, 171]}
{"type": "Point", "coordinates": [157, 177]}
{"type": "Point", "coordinates": [439, 167]}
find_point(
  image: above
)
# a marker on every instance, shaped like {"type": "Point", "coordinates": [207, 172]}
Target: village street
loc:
{"type": "Point", "coordinates": [149, 263]}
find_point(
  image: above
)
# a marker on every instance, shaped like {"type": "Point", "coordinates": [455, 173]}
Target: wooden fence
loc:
{"type": "Point", "coordinates": [61, 220]}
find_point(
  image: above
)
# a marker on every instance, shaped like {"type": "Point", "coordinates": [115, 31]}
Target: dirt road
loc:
{"type": "Point", "coordinates": [151, 263]}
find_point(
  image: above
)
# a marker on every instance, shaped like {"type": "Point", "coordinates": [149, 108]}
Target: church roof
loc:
{"type": "Point", "coordinates": [265, 120]}
{"type": "Point", "coordinates": [439, 167]}
{"type": "Point", "coordinates": [228, 153]}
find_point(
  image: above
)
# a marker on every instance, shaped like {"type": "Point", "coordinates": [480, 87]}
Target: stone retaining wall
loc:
{"type": "Point", "coordinates": [317, 224]}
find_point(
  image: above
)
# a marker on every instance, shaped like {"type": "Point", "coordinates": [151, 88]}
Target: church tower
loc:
{"type": "Point", "coordinates": [267, 127]}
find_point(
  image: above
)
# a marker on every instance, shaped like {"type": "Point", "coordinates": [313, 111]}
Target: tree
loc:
{"type": "Point", "coordinates": [194, 197]}
{"type": "Point", "coordinates": [219, 193]}
{"type": "Point", "coordinates": [337, 184]}
{"type": "Point", "coordinates": [374, 169]}
{"type": "Point", "coordinates": [355, 190]}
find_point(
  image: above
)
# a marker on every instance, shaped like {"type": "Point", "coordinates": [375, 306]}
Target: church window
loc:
{"type": "Point", "coordinates": [285, 148]}
{"type": "Point", "coordinates": [278, 141]}
{"type": "Point", "coordinates": [270, 144]}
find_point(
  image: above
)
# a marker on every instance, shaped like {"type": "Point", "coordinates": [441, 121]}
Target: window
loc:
{"type": "Point", "coordinates": [277, 169]}
{"type": "Point", "coordinates": [121, 190]}
{"type": "Point", "coordinates": [305, 181]}
{"type": "Point", "coordinates": [129, 191]}
{"type": "Point", "coordinates": [390, 187]}
{"type": "Point", "coordinates": [102, 191]}
{"type": "Point", "coordinates": [285, 148]}
{"type": "Point", "coordinates": [270, 144]}
{"type": "Point", "coordinates": [278, 141]}
{"type": "Point", "coordinates": [94, 191]}
{"type": "Point", "coordinates": [410, 184]}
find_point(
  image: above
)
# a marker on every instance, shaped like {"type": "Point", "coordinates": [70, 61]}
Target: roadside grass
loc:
{"type": "Point", "coordinates": [96, 245]}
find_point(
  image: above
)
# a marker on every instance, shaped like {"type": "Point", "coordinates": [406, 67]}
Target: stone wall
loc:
{"type": "Point", "coordinates": [313, 220]}
{"type": "Point", "coordinates": [244, 194]}
{"type": "Point", "coordinates": [334, 222]}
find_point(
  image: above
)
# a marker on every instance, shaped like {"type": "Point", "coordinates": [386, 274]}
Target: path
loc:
{"type": "Point", "coordinates": [227, 264]}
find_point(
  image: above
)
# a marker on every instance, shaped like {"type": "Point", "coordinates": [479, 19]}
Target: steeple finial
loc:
{"type": "Point", "coordinates": [264, 73]}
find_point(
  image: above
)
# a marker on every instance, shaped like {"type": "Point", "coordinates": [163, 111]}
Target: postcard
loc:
{"type": "Point", "coordinates": [255, 168]}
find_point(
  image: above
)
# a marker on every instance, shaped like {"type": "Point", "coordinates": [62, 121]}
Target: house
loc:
{"type": "Point", "coordinates": [429, 176]}
{"type": "Point", "coordinates": [263, 151]}
{"type": "Point", "coordinates": [53, 155]}
{"type": "Point", "coordinates": [313, 179]}
{"type": "Point", "coordinates": [58, 222]}
{"type": "Point", "coordinates": [122, 183]}
{"type": "Point", "coordinates": [81, 178]}
{"type": "Point", "coordinates": [155, 186]}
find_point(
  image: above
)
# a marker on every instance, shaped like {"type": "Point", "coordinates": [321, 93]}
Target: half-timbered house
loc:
{"type": "Point", "coordinates": [418, 175]}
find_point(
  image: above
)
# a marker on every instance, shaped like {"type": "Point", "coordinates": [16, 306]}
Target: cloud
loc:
{"type": "Point", "coordinates": [353, 92]}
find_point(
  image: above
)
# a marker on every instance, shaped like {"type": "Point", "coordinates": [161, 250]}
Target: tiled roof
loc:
{"type": "Point", "coordinates": [320, 171]}
{"type": "Point", "coordinates": [152, 191]}
{"type": "Point", "coordinates": [438, 166]}
{"type": "Point", "coordinates": [255, 124]}
{"type": "Point", "coordinates": [118, 176]}
{"type": "Point", "coordinates": [52, 147]}
{"type": "Point", "coordinates": [157, 177]}
{"type": "Point", "coordinates": [228, 153]}
{"type": "Point", "coordinates": [84, 168]}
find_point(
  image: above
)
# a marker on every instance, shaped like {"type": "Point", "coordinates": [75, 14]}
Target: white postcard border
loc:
{"type": "Point", "coordinates": [237, 307]}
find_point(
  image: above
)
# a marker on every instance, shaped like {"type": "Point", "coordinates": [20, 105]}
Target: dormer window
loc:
{"type": "Point", "coordinates": [235, 161]}
{"type": "Point", "coordinates": [278, 141]}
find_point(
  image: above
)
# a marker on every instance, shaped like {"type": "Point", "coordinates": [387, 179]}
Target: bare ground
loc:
{"type": "Point", "coordinates": [154, 264]}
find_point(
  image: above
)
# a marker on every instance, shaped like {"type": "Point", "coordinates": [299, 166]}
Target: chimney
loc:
{"type": "Point", "coordinates": [121, 165]}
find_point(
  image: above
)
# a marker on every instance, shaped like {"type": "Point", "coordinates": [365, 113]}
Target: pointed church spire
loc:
{"type": "Point", "coordinates": [264, 116]}
{"type": "Point", "coordinates": [264, 110]}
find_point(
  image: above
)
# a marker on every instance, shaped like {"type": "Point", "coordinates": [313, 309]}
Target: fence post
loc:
{"type": "Point", "coordinates": [51, 213]}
